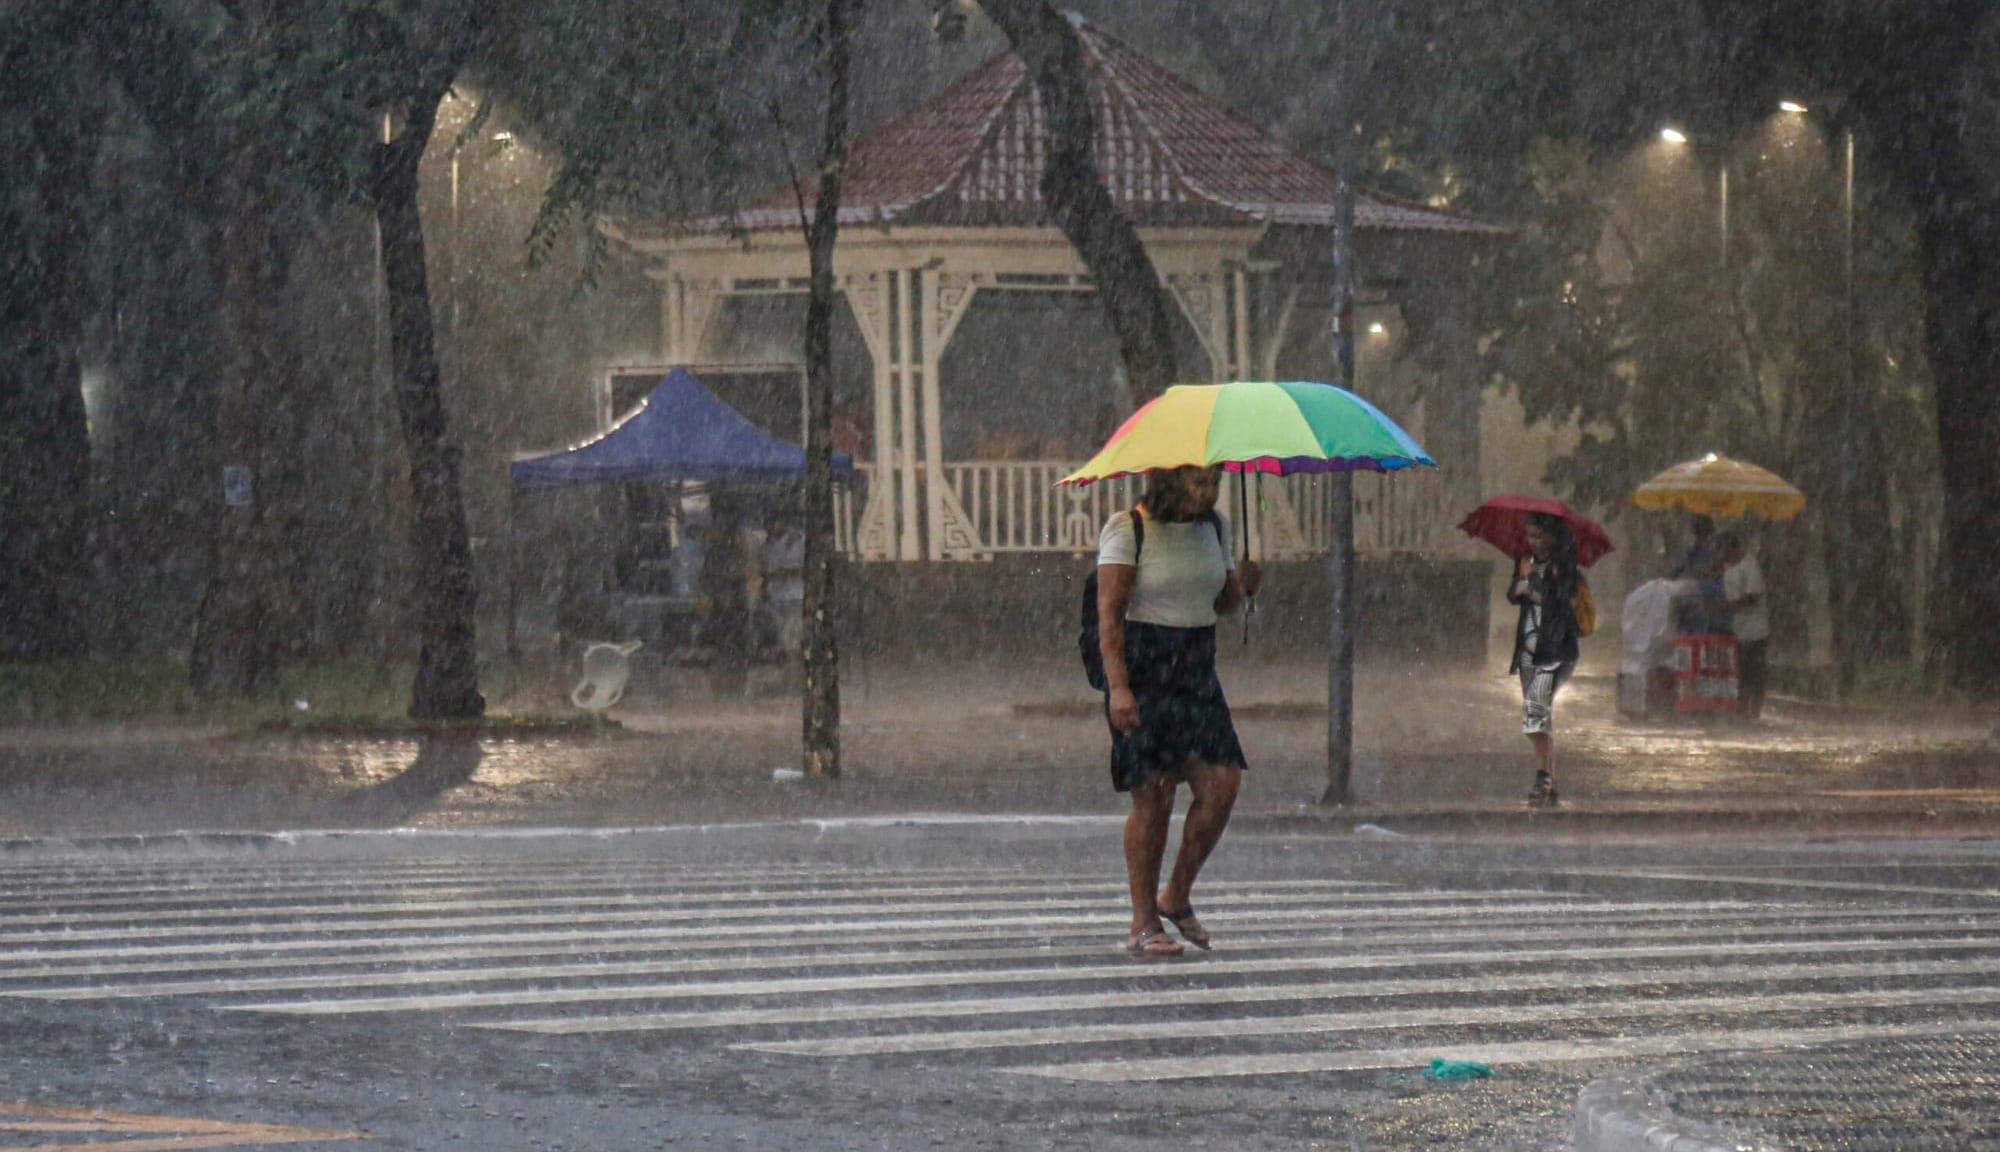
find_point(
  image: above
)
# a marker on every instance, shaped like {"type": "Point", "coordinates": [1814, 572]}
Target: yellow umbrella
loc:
{"type": "Point", "coordinates": [1718, 486]}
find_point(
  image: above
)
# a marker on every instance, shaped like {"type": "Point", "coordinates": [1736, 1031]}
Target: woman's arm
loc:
{"type": "Point", "coordinates": [1114, 593]}
{"type": "Point", "coordinates": [1242, 582]}
{"type": "Point", "coordinates": [1517, 592]}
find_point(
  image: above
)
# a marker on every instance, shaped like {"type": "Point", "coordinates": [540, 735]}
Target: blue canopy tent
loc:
{"type": "Point", "coordinates": [681, 433]}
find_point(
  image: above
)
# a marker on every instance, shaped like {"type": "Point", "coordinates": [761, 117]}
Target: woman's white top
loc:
{"type": "Point", "coordinates": [1182, 568]}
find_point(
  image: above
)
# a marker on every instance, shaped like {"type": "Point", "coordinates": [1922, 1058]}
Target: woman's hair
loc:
{"type": "Point", "coordinates": [1166, 497]}
{"type": "Point", "coordinates": [1562, 550]}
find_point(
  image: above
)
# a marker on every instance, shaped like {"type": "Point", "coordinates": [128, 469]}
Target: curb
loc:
{"type": "Point", "coordinates": [1621, 1116]}
{"type": "Point", "coordinates": [1679, 821]}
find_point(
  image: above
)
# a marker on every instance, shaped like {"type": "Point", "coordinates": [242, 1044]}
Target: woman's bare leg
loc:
{"type": "Point", "coordinates": [1146, 845]}
{"type": "Point", "coordinates": [1545, 752]}
{"type": "Point", "coordinates": [1214, 789]}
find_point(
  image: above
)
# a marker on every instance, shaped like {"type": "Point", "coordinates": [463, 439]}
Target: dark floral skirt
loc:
{"type": "Point", "coordinates": [1183, 717]}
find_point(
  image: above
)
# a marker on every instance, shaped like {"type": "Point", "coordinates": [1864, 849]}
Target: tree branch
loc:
{"type": "Point", "coordinates": [1073, 193]}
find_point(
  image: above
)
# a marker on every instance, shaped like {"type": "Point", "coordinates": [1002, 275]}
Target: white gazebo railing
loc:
{"type": "Point", "coordinates": [1015, 507]}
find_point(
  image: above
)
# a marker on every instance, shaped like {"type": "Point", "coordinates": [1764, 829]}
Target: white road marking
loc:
{"type": "Point", "coordinates": [597, 969]}
{"type": "Point", "coordinates": [1785, 882]}
{"type": "Point", "coordinates": [1155, 999]}
{"type": "Point", "coordinates": [1122, 971]}
{"type": "Point", "coordinates": [1528, 1052]}
{"type": "Point", "coordinates": [328, 922]}
{"type": "Point", "coordinates": [1287, 935]}
{"type": "Point", "coordinates": [1512, 1014]}
{"type": "Point", "coordinates": [701, 903]}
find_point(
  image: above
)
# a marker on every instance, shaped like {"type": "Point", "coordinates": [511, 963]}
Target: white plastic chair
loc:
{"type": "Point", "coordinates": [606, 668]}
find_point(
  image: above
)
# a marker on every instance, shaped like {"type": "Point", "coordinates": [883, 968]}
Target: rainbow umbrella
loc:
{"type": "Point", "coordinates": [1283, 427]}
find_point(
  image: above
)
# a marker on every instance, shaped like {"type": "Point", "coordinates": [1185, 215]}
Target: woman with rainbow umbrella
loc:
{"type": "Point", "coordinates": [1165, 575]}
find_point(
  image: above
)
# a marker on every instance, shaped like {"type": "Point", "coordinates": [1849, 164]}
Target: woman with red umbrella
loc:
{"type": "Point", "coordinates": [1545, 638]}
{"type": "Point", "coordinates": [1549, 543]}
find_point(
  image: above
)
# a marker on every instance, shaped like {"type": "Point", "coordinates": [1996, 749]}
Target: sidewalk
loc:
{"type": "Point", "coordinates": [1435, 753]}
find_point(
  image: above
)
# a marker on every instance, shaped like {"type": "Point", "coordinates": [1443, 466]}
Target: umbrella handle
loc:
{"type": "Point", "coordinates": [1243, 505]}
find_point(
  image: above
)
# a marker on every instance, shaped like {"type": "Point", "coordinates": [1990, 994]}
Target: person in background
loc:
{"type": "Point", "coordinates": [1743, 590]}
{"type": "Point", "coordinates": [1545, 640]}
{"type": "Point", "coordinates": [724, 586]}
{"type": "Point", "coordinates": [1158, 600]}
{"type": "Point", "coordinates": [1701, 562]}
{"type": "Point", "coordinates": [1697, 560]}
{"type": "Point", "coordinates": [785, 579]}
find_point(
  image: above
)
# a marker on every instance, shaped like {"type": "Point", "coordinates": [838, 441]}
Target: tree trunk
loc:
{"type": "Point", "coordinates": [1958, 230]}
{"type": "Point", "coordinates": [447, 683]}
{"type": "Point", "coordinates": [1128, 286]}
{"type": "Point", "coordinates": [44, 438]}
{"type": "Point", "coordinates": [822, 654]}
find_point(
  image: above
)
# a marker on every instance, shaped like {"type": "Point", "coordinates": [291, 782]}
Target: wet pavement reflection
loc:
{"type": "Point", "coordinates": [983, 739]}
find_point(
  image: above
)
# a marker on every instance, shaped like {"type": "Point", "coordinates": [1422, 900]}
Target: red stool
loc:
{"type": "Point", "coordinates": [1705, 673]}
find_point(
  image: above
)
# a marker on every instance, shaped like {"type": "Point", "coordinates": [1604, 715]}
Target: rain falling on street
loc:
{"type": "Point", "coordinates": [905, 574]}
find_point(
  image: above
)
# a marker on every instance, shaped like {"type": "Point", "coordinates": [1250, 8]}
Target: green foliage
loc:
{"type": "Point", "coordinates": [656, 110]}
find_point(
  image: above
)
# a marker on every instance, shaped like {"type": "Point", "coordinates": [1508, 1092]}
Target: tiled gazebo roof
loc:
{"type": "Point", "coordinates": [1171, 156]}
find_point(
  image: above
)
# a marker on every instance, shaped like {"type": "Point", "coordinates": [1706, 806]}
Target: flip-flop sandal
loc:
{"type": "Point", "coordinates": [1185, 923]}
{"type": "Point", "coordinates": [1152, 944]}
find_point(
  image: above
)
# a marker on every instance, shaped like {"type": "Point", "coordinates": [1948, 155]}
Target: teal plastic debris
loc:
{"type": "Point", "coordinates": [1443, 1069]}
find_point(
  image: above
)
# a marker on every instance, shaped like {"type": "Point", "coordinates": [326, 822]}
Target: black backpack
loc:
{"type": "Point", "coordinates": [1087, 640]}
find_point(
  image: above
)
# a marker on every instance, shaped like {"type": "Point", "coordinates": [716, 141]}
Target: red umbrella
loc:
{"type": "Point", "coordinates": [1503, 523]}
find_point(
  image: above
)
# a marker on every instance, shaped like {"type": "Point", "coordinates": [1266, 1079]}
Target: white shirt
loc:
{"type": "Point", "coordinates": [1741, 579]}
{"type": "Point", "coordinates": [1182, 568]}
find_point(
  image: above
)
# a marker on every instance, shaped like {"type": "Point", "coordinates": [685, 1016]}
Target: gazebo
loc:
{"type": "Point", "coordinates": [942, 207]}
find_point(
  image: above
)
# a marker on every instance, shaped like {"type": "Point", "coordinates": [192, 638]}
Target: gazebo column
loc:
{"type": "Point", "coordinates": [687, 307]}
{"type": "Point", "coordinates": [884, 305]}
{"type": "Point", "coordinates": [902, 300]}
{"type": "Point", "coordinates": [946, 298]}
{"type": "Point", "coordinates": [868, 296]}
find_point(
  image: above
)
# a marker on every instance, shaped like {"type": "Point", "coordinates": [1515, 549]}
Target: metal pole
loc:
{"type": "Point", "coordinates": [1724, 212]}
{"type": "Point", "coordinates": [1849, 415]}
{"type": "Point", "coordinates": [1340, 529]}
{"type": "Point", "coordinates": [1847, 224]}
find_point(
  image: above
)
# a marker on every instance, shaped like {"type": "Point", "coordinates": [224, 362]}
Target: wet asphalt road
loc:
{"type": "Point", "coordinates": [909, 985]}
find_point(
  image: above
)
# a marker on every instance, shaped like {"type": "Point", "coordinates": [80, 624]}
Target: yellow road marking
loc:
{"type": "Point", "coordinates": [155, 1133]}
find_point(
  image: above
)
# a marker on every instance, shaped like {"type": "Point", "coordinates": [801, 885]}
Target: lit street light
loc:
{"type": "Point", "coordinates": [1675, 136]}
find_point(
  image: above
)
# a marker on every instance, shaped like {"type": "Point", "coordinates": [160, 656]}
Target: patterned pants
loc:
{"type": "Point", "coordinates": [1538, 696]}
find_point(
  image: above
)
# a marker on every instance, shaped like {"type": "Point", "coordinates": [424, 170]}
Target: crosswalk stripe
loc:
{"type": "Point", "coordinates": [1523, 1052]}
{"type": "Point", "coordinates": [1210, 1030]}
{"type": "Point", "coordinates": [171, 896]}
{"type": "Point", "coordinates": [264, 952]}
{"type": "Point", "coordinates": [1121, 971]}
{"type": "Point", "coordinates": [1706, 877]}
{"type": "Point", "coordinates": [157, 882]}
{"type": "Point", "coordinates": [301, 925]}
{"type": "Point", "coordinates": [699, 902]}
{"type": "Point", "coordinates": [1251, 994]}
{"type": "Point", "coordinates": [425, 951]}
{"type": "Point", "coordinates": [600, 969]}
